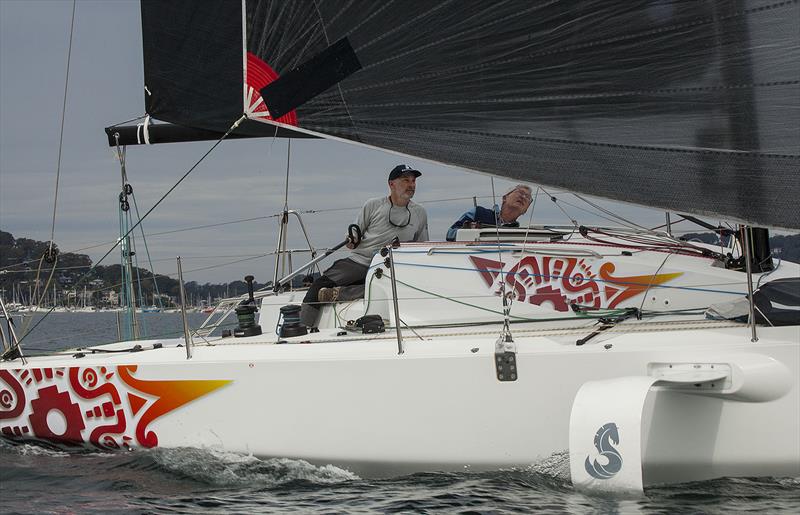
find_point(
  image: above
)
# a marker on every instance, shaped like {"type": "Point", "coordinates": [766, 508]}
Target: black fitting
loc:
{"type": "Point", "coordinates": [246, 313]}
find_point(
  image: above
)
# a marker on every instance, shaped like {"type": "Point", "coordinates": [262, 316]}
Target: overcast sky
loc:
{"type": "Point", "coordinates": [240, 180]}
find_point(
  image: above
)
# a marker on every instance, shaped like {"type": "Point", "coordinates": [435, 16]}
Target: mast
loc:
{"type": "Point", "coordinates": [129, 329]}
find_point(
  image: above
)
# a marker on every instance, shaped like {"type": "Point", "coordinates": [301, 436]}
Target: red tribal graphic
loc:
{"type": "Point", "coordinates": [106, 407]}
{"type": "Point", "coordinates": [562, 281]}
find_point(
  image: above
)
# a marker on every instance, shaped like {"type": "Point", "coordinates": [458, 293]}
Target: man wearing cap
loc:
{"type": "Point", "coordinates": [515, 203]}
{"type": "Point", "coordinates": [381, 220]}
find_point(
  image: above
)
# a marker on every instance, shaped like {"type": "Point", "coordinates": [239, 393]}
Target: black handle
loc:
{"type": "Point", "coordinates": [249, 280]}
{"type": "Point", "coordinates": [354, 232]}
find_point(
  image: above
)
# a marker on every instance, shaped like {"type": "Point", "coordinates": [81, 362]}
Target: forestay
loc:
{"type": "Point", "coordinates": [685, 106]}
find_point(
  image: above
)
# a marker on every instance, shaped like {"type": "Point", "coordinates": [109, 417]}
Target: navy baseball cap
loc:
{"type": "Point", "coordinates": [400, 170]}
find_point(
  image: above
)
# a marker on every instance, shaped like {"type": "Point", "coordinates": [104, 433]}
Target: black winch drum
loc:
{"type": "Point", "coordinates": [289, 323]}
{"type": "Point", "coordinates": [246, 314]}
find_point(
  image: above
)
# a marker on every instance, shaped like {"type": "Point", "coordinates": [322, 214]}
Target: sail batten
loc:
{"type": "Point", "coordinates": [684, 106]}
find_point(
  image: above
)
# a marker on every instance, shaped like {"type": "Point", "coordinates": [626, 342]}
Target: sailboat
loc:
{"type": "Point", "coordinates": [507, 346]}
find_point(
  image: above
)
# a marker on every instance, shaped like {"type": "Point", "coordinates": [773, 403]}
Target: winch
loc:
{"type": "Point", "coordinates": [289, 323]}
{"type": "Point", "coordinates": [246, 313]}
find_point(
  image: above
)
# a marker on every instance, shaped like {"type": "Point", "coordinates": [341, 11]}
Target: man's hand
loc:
{"type": "Point", "coordinates": [353, 236]}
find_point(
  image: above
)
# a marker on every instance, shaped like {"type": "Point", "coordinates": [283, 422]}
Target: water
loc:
{"type": "Point", "coordinates": [38, 480]}
{"type": "Point", "coordinates": [65, 330]}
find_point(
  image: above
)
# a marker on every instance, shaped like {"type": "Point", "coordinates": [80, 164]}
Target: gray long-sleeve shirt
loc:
{"type": "Point", "coordinates": [377, 230]}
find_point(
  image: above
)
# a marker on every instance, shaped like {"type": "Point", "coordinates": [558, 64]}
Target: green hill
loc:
{"type": "Point", "coordinates": [20, 259]}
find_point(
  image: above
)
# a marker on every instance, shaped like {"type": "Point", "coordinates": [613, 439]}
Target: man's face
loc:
{"type": "Point", "coordinates": [404, 186]}
{"type": "Point", "coordinates": [519, 200]}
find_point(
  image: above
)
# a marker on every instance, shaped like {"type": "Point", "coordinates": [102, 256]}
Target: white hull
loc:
{"type": "Point", "coordinates": [353, 401]}
{"type": "Point", "coordinates": [439, 406]}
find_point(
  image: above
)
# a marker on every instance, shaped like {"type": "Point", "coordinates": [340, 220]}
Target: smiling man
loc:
{"type": "Point", "coordinates": [381, 220]}
{"type": "Point", "coordinates": [515, 203]}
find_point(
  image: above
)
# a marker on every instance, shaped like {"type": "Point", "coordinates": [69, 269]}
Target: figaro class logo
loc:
{"type": "Point", "coordinates": [603, 440]}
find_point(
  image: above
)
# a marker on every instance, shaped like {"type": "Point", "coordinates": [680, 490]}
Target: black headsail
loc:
{"type": "Point", "coordinates": [194, 75]}
{"type": "Point", "coordinates": [685, 106]}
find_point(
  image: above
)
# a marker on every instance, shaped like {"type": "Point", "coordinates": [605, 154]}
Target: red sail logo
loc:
{"type": "Point", "coordinates": [561, 281]}
{"type": "Point", "coordinates": [258, 75]}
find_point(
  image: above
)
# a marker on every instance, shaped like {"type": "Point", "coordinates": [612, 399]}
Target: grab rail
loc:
{"type": "Point", "coordinates": [281, 249]}
{"type": "Point", "coordinates": [523, 249]}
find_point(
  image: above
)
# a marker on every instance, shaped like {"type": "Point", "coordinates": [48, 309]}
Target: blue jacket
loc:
{"type": "Point", "coordinates": [479, 214]}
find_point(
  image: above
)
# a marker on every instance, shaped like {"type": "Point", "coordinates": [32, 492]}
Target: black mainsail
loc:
{"type": "Point", "coordinates": [684, 106]}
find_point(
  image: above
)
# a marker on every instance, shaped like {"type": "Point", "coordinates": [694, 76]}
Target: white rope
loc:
{"type": "Point", "coordinates": [143, 131]}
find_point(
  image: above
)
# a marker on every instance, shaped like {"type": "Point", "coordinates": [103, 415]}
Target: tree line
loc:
{"type": "Point", "coordinates": [21, 258]}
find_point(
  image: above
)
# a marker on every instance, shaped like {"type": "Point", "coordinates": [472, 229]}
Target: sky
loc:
{"type": "Point", "coordinates": [240, 180]}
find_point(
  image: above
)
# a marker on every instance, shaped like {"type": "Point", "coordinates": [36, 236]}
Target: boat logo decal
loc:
{"type": "Point", "coordinates": [603, 439]}
{"type": "Point", "coordinates": [106, 407]}
{"type": "Point", "coordinates": [561, 281]}
{"type": "Point", "coordinates": [258, 75]}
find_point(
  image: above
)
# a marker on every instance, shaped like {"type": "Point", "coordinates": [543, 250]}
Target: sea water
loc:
{"type": "Point", "coordinates": [38, 480]}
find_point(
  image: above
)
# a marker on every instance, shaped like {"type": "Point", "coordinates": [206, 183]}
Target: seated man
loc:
{"type": "Point", "coordinates": [515, 203]}
{"type": "Point", "coordinates": [381, 220]}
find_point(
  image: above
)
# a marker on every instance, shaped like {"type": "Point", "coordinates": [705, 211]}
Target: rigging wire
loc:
{"type": "Point", "coordinates": [648, 241]}
{"type": "Point", "coordinates": [135, 265]}
{"type": "Point", "coordinates": [141, 117]}
{"type": "Point", "coordinates": [174, 186]}
{"type": "Point", "coordinates": [220, 224]}
{"type": "Point", "coordinates": [147, 251]}
{"type": "Point", "coordinates": [160, 200]}
{"type": "Point", "coordinates": [610, 213]}
{"type": "Point", "coordinates": [286, 187]}
{"type": "Point", "coordinates": [25, 324]}
{"type": "Point", "coordinates": [652, 281]}
{"type": "Point", "coordinates": [530, 218]}
{"type": "Point", "coordinates": [556, 202]}
{"type": "Point", "coordinates": [51, 254]}
{"type": "Point", "coordinates": [63, 117]}
{"type": "Point", "coordinates": [505, 342]}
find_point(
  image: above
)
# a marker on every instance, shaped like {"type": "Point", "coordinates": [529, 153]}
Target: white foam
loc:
{"type": "Point", "coordinates": [226, 468]}
{"type": "Point", "coordinates": [556, 465]}
{"type": "Point", "coordinates": [26, 449]}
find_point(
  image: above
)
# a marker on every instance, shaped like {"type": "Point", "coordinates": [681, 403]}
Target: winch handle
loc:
{"type": "Point", "coordinates": [354, 235]}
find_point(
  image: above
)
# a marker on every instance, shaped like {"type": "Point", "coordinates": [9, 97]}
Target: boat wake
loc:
{"type": "Point", "coordinates": [26, 449]}
{"type": "Point", "coordinates": [210, 466]}
{"type": "Point", "coordinates": [555, 466]}
{"type": "Point", "coordinates": [222, 468]}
